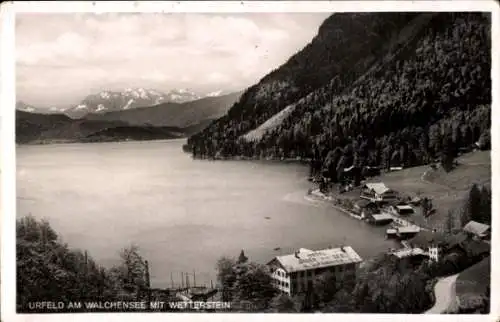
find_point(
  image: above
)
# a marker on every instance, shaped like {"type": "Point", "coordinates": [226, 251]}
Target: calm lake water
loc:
{"type": "Point", "coordinates": [183, 214]}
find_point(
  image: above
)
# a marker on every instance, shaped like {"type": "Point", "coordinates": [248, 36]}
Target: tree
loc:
{"type": "Point", "coordinates": [426, 205]}
{"type": "Point", "coordinates": [48, 268]}
{"type": "Point", "coordinates": [484, 213]}
{"type": "Point", "coordinates": [472, 206]}
{"type": "Point", "coordinates": [242, 258]}
{"type": "Point", "coordinates": [448, 153]}
{"type": "Point", "coordinates": [450, 221]}
{"type": "Point", "coordinates": [131, 272]}
{"type": "Point", "coordinates": [343, 302]}
{"type": "Point", "coordinates": [254, 285]}
{"type": "Point", "coordinates": [247, 284]}
{"type": "Point", "coordinates": [325, 286]}
{"type": "Point", "coordinates": [484, 141]}
{"type": "Point", "coordinates": [226, 276]}
{"type": "Point", "coordinates": [283, 303]}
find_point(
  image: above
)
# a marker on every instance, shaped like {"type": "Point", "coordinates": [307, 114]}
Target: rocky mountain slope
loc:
{"type": "Point", "coordinates": [370, 89]}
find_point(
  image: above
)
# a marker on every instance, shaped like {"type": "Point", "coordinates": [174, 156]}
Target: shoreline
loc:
{"type": "Point", "coordinates": [330, 199]}
{"type": "Point", "coordinates": [62, 142]}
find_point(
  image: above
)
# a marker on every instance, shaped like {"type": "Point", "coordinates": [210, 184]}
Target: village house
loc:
{"type": "Point", "coordinates": [401, 209]}
{"type": "Point", "coordinates": [294, 273]}
{"type": "Point", "coordinates": [378, 192]}
{"type": "Point", "coordinates": [409, 256]}
{"type": "Point", "coordinates": [364, 208]}
{"type": "Point", "coordinates": [435, 243]}
{"type": "Point", "coordinates": [478, 230]}
{"type": "Point", "coordinates": [379, 219]}
{"type": "Point", "coordinates": [407, 231]}
{"type": "Point", "coordinates": [438, 244]}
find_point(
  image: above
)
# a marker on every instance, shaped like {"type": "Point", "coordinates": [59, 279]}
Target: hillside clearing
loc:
{"type": "Point", "coordinates": [271, 123]}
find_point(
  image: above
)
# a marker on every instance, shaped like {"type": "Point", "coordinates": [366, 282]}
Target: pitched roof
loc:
{"type": "Point", "coordinates": [408, 229]}
{"type": "Point", "coordinates": [426, 238]}
{"type": "Point", "coordinates": [362, 203]}
{"type": "Point", "coordinates": [476, 228]}
{"type": "Point", "coordinates": [378, 187]}
{"type": "Point", "coordinates": [306, 259]}
{"type": "Point", "coordinates": [404, 207]}
{"type": "Point", "coordinates": [407, 252]}
{"type": "Point", "coordinates": [382, 216]}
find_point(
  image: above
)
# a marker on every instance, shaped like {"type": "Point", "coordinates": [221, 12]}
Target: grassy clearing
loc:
{"type": "Point", "coordinates": [270, 124]}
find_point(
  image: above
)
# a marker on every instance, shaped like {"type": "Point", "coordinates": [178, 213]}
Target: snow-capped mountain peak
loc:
{"type": "Point", "coordinates": [108, 101]}
{"type": "Point", "coordinates": [21, 106]}
{"type": "Point", "coordinates": [129, 98]}
{"type": "Point", "coordinates": [213, 94]}
{"type": "Point", "coordinates": [182, 95]}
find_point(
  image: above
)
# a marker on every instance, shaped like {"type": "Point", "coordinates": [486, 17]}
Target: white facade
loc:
{"type": "Point", "coordinates": [281, 280]}
{"type": "Point", "coordinates": [378, 192]}
{"type": "Point", "coordinates": [434, 253]}
{"type": "Point", "coordinates": [295, 273]}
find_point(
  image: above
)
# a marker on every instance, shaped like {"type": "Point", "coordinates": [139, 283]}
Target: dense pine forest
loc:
{"type": "Point", "coordinates": [372, 89]}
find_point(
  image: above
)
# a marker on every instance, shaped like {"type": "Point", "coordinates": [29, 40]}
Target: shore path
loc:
{"type": "Point", "coordinates": [444, 292]}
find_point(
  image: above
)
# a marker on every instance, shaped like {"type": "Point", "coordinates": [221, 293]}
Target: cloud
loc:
{"type": "Point", "coordinates": [62, 57]}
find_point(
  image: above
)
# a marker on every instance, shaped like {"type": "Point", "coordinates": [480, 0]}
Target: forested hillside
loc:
{"type": "Point", "coordinates": [370, 89]}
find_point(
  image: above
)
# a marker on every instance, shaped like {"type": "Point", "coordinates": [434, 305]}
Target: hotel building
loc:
{"type": "Point", "coordinates": [293, 274]}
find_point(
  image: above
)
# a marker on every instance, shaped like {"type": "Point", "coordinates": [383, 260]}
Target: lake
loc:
{"type": "Point", "coordinates": [182, 213]}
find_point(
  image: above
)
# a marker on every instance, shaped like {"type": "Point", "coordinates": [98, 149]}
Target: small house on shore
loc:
{"type": "Point", "coordinates": [405, 232]}
{"type": "Point", "coordinates": [478, 230]}
{"type": "Point", "coordinates": [380, 219]}
{"type": "Point", "coordinates": [402, 209]}
{"type": "Point", "coordinates": [378, 192]}
{"type": "Point", "coordinates": [409, 256]}
{"type": "Point", "coordinates": [364, 208]}
{"type": "Point", "coordinates": [438, 244]}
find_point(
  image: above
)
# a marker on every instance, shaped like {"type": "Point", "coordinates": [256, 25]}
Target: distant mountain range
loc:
{"type": "Point", "coordinates": [121, 122]}
{"type": "Point", "coordinates": [109, 101]}
{"type": "Point", "coordinates": [173, 114]}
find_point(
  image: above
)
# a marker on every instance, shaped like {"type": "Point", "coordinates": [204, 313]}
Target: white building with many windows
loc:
{"type": "Point", "coordinates": [293, 274]}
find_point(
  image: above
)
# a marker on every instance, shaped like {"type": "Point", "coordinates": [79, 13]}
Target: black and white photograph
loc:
{"type": "Point", "coordinates": [290, 161]}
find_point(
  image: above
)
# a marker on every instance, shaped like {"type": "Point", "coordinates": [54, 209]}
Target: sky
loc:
{"type": "Point", "coordinates": [63, 57]}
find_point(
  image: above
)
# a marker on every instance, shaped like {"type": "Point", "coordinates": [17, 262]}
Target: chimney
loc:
{"type": "Point", "coordinates": [297, 254]}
